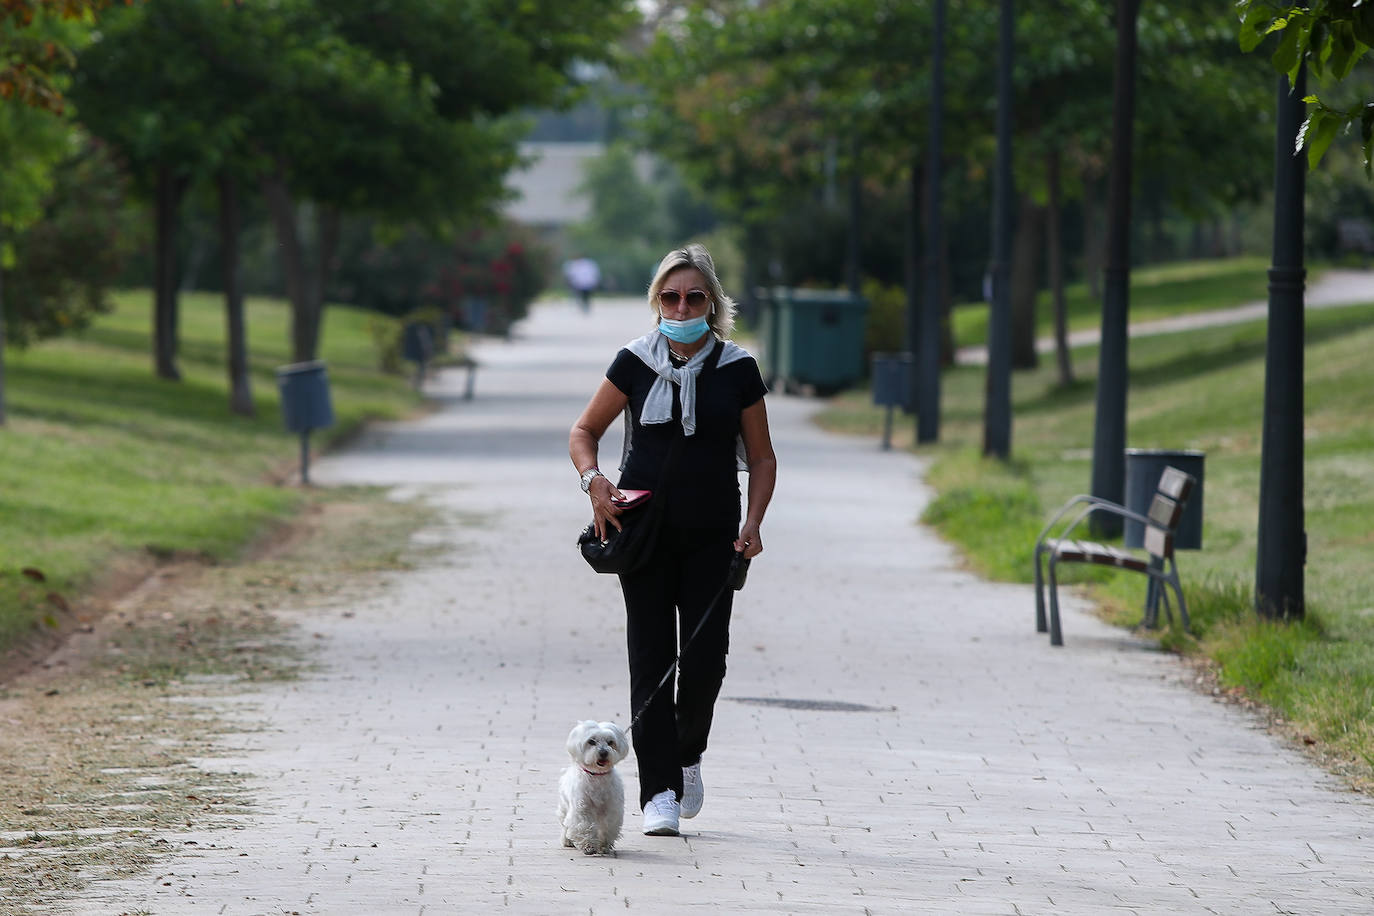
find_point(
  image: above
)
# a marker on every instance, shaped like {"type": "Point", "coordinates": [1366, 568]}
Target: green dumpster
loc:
{"type": "Point", "coordinates": [815, 338]}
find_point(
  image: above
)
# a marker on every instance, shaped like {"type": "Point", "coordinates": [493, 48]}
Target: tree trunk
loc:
{"type": "Point", "coordinates": [1025, 283]}
{"type": "Point", "coordinates": [1054, 256]}
{"type": "Point", "coordinates": [2, 331]}
{"type": "Point", "coordinates": [328, 226]}
{"type": "Point", "coordinates": [911, 261]}
{"type": "Point", "coordinates": [1092, 238]}
{"type": "Point", "coordinates": [170, 188]}
{"type": "Point", "coordinates": [240, 390]}
{"type": "Point", "coordinates": [854, 226]}
{"type": "Point", "coordinates": [946, 304]}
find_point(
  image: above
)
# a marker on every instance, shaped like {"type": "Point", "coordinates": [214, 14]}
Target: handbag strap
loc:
{"type": "Point", "coordinates": [657, 503]}
{"type": "Point", "coordinates": [711, 360]}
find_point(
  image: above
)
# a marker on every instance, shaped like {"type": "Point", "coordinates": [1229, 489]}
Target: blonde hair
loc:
{"type": "Point", "coordinates": [721, 317]}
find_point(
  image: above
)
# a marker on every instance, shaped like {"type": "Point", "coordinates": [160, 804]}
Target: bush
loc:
{"type": "Point", "coordinates": [886, 331]}
{"type": "Point", "coordinates": [65, 264]}
{"type": "Point", "coordinates": [386, 332]}
{"type": "Point", "coordinates": [501, 266]}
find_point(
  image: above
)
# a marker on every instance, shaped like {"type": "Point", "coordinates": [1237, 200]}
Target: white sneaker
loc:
{"type": "Point", "coordinates": [660, 814]}
{"type": "Point", "coordinates": [693, 792]}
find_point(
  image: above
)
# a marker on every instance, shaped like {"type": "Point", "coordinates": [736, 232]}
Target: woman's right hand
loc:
{"type": "Point", "coordinates": [605, 514]}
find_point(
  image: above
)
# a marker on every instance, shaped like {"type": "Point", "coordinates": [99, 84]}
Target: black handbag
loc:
{"type": "Point", "coordinates": [625, 551]}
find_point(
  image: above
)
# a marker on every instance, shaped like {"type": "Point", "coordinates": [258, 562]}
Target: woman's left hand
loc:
{"type": "Point", "coordinates": [749, 542]}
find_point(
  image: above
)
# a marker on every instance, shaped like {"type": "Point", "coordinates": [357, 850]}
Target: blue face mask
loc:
{"type": "Point", "coordinates": [683, 331]}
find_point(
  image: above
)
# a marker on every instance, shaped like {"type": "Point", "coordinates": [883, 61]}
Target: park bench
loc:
{"type": "Point", "coordinates": [1158, 563]}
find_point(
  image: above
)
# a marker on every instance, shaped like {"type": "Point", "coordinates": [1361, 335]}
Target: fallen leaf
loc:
{"type": "Point", "coordinates": [34, 574]}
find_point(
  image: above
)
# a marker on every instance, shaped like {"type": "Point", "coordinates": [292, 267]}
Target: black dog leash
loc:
{"type": "Point", "coordinates": [729, 578]}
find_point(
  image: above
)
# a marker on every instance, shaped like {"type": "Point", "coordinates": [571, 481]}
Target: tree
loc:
{"type": "Point", "coordinates": [35, 52]}
{"type": "Point", "coordinates": [152, 96]}
{"type": "Point", "coordinates": [333, 107]}
{"type": "Point", "coordinates": [385, 120]}
{"type": "Point", "coordinates": [1328, 37]}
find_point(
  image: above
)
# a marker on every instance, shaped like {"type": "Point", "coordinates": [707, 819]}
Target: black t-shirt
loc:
{"type": "Point", "coordinates": [704, 489]}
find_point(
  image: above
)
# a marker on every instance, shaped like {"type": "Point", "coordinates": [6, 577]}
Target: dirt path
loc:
{"type": "Point", "coordinates": [100, 743]}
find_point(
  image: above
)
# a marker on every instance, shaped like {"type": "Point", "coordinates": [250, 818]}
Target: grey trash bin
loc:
{"type": "Point", "coordinates": [305, 403]}
{"type": "Point", "coordinates": [892, 380]}
{"type": "Point", "coordinates": [1143, 469]}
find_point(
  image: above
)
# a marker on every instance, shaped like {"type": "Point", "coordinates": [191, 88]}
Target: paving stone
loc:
{"type": "Point", "coordinates": [985, 772]}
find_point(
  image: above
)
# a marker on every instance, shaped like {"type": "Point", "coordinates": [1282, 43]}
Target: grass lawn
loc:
{"type": "Point", "coordinates": [101, 461]}
{"type": "Point", "coordinates": [1158, 291]}
{"type": "Point", "coordinates": [1196, 390]}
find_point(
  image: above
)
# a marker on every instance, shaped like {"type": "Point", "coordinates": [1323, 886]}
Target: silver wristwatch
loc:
{"type": "Point", "coordinates": [588, 477]}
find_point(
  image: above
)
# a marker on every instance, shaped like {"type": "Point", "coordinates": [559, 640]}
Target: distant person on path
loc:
{"type": "Point", "coordinates": [685, 377]}
{"type": "Point", "coordinates": [583, 275]}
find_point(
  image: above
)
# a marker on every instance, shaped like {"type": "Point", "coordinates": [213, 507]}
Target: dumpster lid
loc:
{"type": "Point", "coordinates": [817, 296]}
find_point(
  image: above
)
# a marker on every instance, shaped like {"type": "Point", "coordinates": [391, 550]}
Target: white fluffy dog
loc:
{"type": "Point", "coordinates": [591, 797]}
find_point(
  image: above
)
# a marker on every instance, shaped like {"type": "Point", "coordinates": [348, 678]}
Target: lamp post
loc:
{"type": "Point", "coordinates": [928, 390]}
{"type": "Point", "coordinates": [1282, 548]}
{"type": "Point", "coordinates": [997, 406]}
{"type": "Point", "coordinates": [1109, 428]}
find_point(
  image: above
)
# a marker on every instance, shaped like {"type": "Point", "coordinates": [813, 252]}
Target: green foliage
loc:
{"type": "Point", "coordinates": [990, 509]}
{"type": "Point", "coordinates": [769, 107]}
{"type": "Point", "coordinates": [886, 328]}
{"type": "Point", "coordinates": [64, 264]}
{"type": "Point", "coordinates": [36, 40]}
{"type": "Point", "coordinates": [34, 137]}
{"type": "Point", "coordinates": [386, 332]}
{"type": "Point", "coordinates": [501, 263]}
{"type": "Point", "coordinates": [1329, 37]}
{"type": "Point", "coordinates": [1260, 655]}
{"type": "Point", "coordinates": [400, 112]}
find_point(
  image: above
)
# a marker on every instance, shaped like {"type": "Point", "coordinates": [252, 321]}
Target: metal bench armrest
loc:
{"type": "Point", "coordinates": [1095, 504]}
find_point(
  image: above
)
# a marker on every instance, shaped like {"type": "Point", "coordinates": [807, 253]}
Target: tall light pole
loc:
{"type": "Point", "coordinates": [997, 406]}
{"type": "Point", "coordinates": [1109, 429]}
{"type": "Point", "coordinates": [1282, 549]}
{"type": "Point", "coordinates": [928, 359]}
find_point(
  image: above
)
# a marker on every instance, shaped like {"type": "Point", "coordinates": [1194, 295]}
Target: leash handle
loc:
{"type": "Point", "coordinates": [729, 578]}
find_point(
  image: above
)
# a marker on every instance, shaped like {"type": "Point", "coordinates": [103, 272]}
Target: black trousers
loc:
{"type": "Point", "coordinates": [664, 602]}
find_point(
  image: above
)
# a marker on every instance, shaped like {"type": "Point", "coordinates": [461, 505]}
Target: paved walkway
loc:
{"type": "Point", "coordinates": [1335, 288]}
{"type": "Point", "coordinates": [961, 764]}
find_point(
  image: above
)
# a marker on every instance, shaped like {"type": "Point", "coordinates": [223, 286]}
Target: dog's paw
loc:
{"type": "Point", "coordinates": [568, 842]}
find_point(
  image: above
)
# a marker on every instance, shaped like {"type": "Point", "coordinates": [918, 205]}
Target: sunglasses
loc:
{"type": "Point", "coordinates": [696, 298]}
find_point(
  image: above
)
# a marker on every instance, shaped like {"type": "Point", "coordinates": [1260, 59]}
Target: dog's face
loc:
{"type": "Point", "coordinates": [597, 746]}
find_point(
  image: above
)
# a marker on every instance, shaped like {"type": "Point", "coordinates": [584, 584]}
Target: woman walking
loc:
{"type": "Point", "coordinates": [684, 380]}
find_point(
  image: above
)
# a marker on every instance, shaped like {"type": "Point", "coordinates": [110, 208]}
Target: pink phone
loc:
{"type": "Point", "coordinates": [632, 498]}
